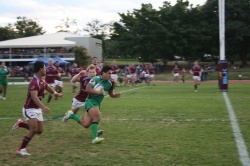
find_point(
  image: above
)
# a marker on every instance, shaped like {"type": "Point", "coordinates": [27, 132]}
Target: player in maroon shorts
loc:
{"type": "Point", "coordinates": [58, 78]}
{"type": "Point", "coordinates": [33, 107]}
{"type": "Point", "coordinates": [75, 70]}
{"type": "Point", "coordinates": [196, 71]}
{"type": "Point", "coordinates": [51, 74]}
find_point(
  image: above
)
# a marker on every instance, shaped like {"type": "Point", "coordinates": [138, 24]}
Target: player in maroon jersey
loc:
{"type": "Point", "coordinates": [115, 69]}
{"type": "Point", "coordinates": [144, 74]}
{"type": "Point", "coordinates": [175, 72]}
{"type": "Point", "coordinates": [183, 75]}
{"type": "Point", "coordinates": [132, 73]}
{"type": "Point", "coordinates": [51, 74]}
{"type": "Point", "coordinates": [79, 100]}
{"type": "Point", "coordinates": [151, 71]}
{"type": "Point", "coordinates": [97, 64]}
{"type": "Point", "coordinates": [58, 78]}
{"type": "Point", "coordinates": [75, 70]}
{"type": "Point", "coordinates": [127, 81]}
{"type": "Point", "coordinates": [33, 107]}
{"type": "Point", "coordinates": [196, 71]}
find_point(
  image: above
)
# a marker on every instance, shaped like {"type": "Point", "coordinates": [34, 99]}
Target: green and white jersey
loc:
{"type": "Point", "coordinates": [3, 74]}
{"type": "Point", "coordinates": [107, 85]}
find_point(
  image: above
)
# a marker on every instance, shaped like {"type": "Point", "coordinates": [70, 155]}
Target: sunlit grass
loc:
{"type": "Point", "coordinates": [166, 124]}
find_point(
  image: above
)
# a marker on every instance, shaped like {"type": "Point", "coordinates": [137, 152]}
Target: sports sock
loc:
{"type": "Point", "coordinates": [49, 99]}
{"type": "Point", "coordinates": [75, 117]}
{"type": "Point", "coordinates": [195, 86]}
{"type": "Point", "coordinates": [94, 128]}
{"type": "Point", "coordinates": [24, 125]}
{"type": "Point", "coordinates": [25, 142]}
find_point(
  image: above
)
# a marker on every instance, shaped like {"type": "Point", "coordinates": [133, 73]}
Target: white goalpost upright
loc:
{"type": "Point", "coordinates": [222, 28]}
{"type": "Point", "coordinates": [222, 64]}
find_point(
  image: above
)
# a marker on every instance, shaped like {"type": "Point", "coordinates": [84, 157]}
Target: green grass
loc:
{"type": "Point", "coordinates": [166, 124]}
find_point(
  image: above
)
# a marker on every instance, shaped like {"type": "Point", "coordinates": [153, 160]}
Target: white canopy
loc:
{"type": "Point", "coordinates": [58, 39]}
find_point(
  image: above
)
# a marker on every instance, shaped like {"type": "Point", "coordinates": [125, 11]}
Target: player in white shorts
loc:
{"type": "Point", "coordinates": [115, 69]}
{"type": "Point", "coordinates": [33, 107]}
{"type": "Point", "coordinates": [58, 78]}
{"type": "Point", "coordinates": [151, 71]}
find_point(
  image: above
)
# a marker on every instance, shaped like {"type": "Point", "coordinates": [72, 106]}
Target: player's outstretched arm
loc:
{"type": "Point", "coordinates": [113, 94]}
{"type": "Point", "coordinates": [77, 76]}
{"type": "Point", "coordinates": [53, 92]}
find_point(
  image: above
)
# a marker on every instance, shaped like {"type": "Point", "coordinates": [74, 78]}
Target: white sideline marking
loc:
{"type": "Point", "coordinates": [244, 157]}
{"type": "Point", "coordinates": [18, 83]}
{"type": "Point", "coordinates": [141, 119]}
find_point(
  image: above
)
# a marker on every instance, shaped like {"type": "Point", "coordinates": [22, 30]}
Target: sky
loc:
{"type": "Point", "coordinates": [49, 13]}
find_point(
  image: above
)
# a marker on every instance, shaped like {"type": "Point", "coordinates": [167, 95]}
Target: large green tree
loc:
{"type": "Point", "coordinates": [23, 27]}
{"type": "Point", "coordinates": [7, 33]}
{"type": "Point", "coordinates": [183, 30]}
{"type": "Point", "coordinates": [28, 27]}
{"type": "Point", "coordinates": [238, 29]}
{"type": "Point", "coordinates": [163, 33]}
{"type": "Point", "coordinates": [81, 56]}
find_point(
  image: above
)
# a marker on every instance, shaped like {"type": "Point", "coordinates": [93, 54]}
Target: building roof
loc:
{"type": "Point", "coordinates": [58, 39]}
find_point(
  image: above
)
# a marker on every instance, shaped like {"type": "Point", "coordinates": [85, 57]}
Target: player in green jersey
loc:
{"type": "Point", "coordinates": [93, 101]}
{"type": "Point", "coordinates": [3, 80]}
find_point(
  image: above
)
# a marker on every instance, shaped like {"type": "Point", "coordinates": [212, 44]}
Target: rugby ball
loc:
{"type": "Point", "coordinates": [98, 87]}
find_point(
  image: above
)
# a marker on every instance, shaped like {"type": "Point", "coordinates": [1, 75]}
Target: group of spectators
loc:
{"type": "Point", "coordinates": [35, 51]}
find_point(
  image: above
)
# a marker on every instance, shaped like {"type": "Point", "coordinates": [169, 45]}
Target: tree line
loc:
{"type": "Point", "coordinates": [172, 30]}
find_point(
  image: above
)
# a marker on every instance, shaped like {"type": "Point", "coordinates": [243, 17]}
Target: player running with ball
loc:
{"type": "Point", "coordinates": [93, 101]}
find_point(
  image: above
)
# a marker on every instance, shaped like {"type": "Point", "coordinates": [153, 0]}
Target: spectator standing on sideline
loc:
{"type": "Point", "coordinates": [33, 107]}
{"type": "Point", "coordinates": [205, 74]}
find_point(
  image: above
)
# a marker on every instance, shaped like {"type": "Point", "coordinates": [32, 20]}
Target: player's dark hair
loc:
{"type": "Point", "coordinates": [105, 69]}
{"type": "Point", "coordinates": [38, 65]}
